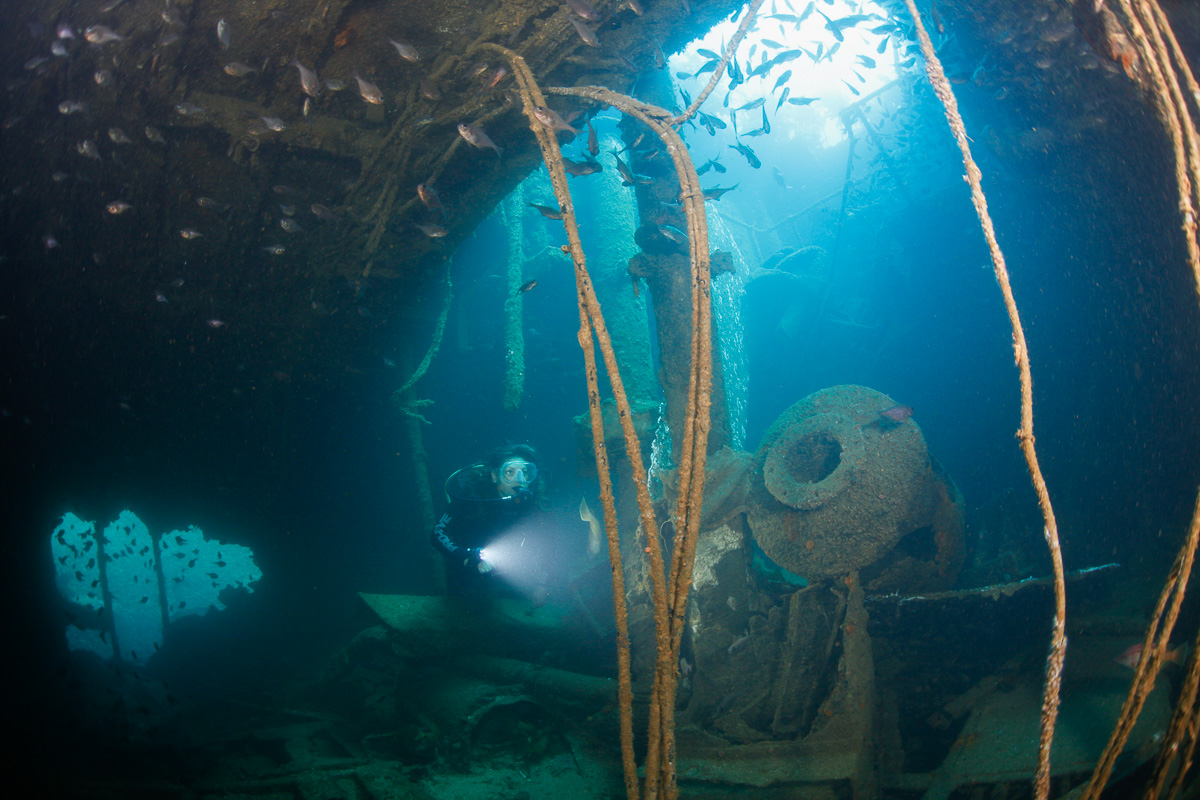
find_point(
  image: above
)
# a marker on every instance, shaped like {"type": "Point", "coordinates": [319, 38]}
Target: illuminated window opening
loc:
{"type": "Point", "coordinates": [827, 57]}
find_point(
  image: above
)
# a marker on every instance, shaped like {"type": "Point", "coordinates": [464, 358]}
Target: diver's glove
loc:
{"type": "Point", "coordinates": [475, 556]}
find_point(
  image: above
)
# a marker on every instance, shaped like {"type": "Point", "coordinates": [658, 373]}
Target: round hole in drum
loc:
{"type": "Point", "coordinates": [814, 457]}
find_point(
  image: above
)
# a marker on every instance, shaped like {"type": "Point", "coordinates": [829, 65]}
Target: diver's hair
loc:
{"type": "Point", "coordinates": [497, 457]}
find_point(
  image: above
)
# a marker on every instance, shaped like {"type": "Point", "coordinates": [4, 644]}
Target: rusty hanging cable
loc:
{"type": "Point", "coordinates": [668, 608]}
{"type": "Point", "coordinates": [661, 743]}
{"type": "Point", "coordinates": [592, 324]}
{"type": "Point", "coordinates": [1159, 55]}
{"type": "Point", "coordinates": [1179, 741]}
{"type": "Point", "coordinates": [1058, 639]}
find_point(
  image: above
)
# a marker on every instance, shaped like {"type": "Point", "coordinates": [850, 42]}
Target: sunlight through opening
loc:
{"type": "Point", "coordinates": [806, 66]}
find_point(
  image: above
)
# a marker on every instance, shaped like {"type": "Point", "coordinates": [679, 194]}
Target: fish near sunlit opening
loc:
{"type": "Point", "coordinates": [136, 584]}
{"type": "Point", "coordinates": [784, 97]}
{"type": "Point", "coordinates": [796, 71]}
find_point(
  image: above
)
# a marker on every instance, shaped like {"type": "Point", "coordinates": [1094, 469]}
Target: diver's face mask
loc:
{"type": "Point", "coordinates": [515, 476]}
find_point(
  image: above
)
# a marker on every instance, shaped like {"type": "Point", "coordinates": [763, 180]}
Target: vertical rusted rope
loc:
{"type": "Point", "coordinates": [1148, 666]}
{"type": "Point", "coordinates": [1058, 639]}
{"type": "Point", "coordinates": [661, 743]}
{"type": "Point", "coordinates": [592, 322]}
{"type": "Point", "coordinates": [1185, 724]}
{"type": "Point", "coordinates": [1173, 106]}
{"type": "Point", "coordinates": [695, 442]}
{"type": "Point", "coordinates": [1159, 55]}
{"type": "Point", "coordinates": [1180, 738]}
{"type": "Point", "coordinates": [670, 599]}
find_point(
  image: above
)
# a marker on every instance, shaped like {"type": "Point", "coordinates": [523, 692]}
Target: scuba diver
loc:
{"type": "Point", "coordinates": [487, 502]}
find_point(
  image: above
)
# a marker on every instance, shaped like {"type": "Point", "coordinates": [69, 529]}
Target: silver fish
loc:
{"type": "Point", "coordinates": [88, 148]}
{"type": "Point", "coordinates": [550, 118]}
{"type": "Point", "coordinates": [117, 207]}
{"type": "Point", "coordinates": [290, 225]}
{"type": "Point", "coordinates": [189, 110]}
{"type": "Point", "coordinates": [431, 230]}
{"type": "Point", "coordinates": [308, 79]}
{"type": "Point", "coordinates": [102, 77]}
{"type": "Point", "coordinates": [585, 33]}
{"type": "Point", "coordinates": [548, 212]}
{"type": "Point", "coordinates": [717, 192]}
{"type": "Point", "coordinates": [674, 234]}
{"type": "Point", "coordinates": [71, 107]}
{"type": "Point", "coordinates": [224, 34]}
{"type": "Point", "coordinates": [155, 135]}
{"type": "Point", "coordinates": [580, 168]}
{"type": "Point", "coordinates": [583, 9]}
{"type": "Point", "coordinates": [1057, 30]}
{"type": "Point", "coordinates": [58, 49]}
{"type": "Point", "coordinates": [369, 91]}
{"type": "Point", "coordinates": [102, 34]}
{"type": "Point", "coordinates": [237, 69]}
{"type": "Point", "coordinates": [476, 137]}
{"type": "Point", "coordinates": [274, 123]}
{"type": "Point", "coordinates": [430, 198]}
{"type": "Point", "coordinates": [324, 213]}
{"type": "Point", "coordinates": [406, 50]}
{"type": "Point", "coordinates": [430, 90]}
{"type": "Point", "coordinates": [118, 136]}
{"type": "Point", "coordinates": [595, 534]}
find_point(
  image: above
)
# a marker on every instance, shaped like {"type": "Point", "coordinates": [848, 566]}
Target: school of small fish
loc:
{"type": "Point", "coordinates": [785, 53]}
{"type": "Point", "coordinates": [107, 48]}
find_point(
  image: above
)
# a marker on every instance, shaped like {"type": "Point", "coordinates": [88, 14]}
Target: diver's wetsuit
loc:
{"type": "Point", "coordinates": [475, 518]}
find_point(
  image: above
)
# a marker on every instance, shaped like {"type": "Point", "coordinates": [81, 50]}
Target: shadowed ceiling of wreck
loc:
{"type": "Point", "coordinates": [208, 133]}
{"type": "Point", "coordinates": [235, 124]}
